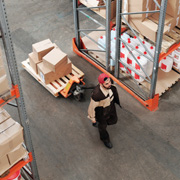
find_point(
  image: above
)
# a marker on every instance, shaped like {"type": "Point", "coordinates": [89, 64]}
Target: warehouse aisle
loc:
{"type": "Point", "coordinates": [67, 147]}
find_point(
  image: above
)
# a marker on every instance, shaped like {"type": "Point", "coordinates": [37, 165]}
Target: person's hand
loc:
{"type": "Point", "coordinates": [93, 121]}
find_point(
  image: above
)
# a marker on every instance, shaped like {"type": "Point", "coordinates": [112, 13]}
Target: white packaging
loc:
{"type": "Point", "coordinates": [125, 37]}
{"type": "Point", "coordinates": [171, 55]}
{"type": "Point", "coordinates": [113, 33]}
{"type": "Point", "coordinates": [150, 64]}
{"type": "Point", "coordinates": [102, 42]}
{"type": "Point", "coordinates": [137, 77]}
{"type": "Point", "coordinates": [148, 45]}
{"type": "Point", "coordinates": [176, 54]}
{"type": "Point", "coordinates": [135, 40]}
{"type": "Point", "coordinates": [123, 57]}
{"type": "Point", "coordinates": [144, 64]}
{"type": "Point", "coordinates": [132, 43]}
{"type": "Point", "coordinates": [166, 64]}
{"type": "Point", "coordinates": [176, 64]}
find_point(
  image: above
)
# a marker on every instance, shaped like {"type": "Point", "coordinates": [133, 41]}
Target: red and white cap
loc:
{"type": "Point", "coordinates": [102, 77]}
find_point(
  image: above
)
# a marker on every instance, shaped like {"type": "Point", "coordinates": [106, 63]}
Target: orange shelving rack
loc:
{"type": "Point", "coordinates": [28, 165]}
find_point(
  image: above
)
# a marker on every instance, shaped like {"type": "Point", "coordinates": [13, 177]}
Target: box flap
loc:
{"type": "Point", "coordinates": [17, 154]}
{"type": "Point", "coordinates": [55, 56]}
{"type": "Point", "coordinates": [4, 115]}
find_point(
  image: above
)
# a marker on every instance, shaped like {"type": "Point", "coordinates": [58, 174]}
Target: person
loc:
{"type": "Point", "coordinates": [102, 110]}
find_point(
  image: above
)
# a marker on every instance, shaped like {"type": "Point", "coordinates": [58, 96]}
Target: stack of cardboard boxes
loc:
{"type": "Point", "coordinates": [4, 86]}
{"type": "Point", "coordinates": [49, 62]}
{"type": "Point", "coordinates": [11, 139]}
{"type": "Point", "coordinates": [147, 24]}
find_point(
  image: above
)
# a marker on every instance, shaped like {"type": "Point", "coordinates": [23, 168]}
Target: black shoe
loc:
{"type": "Point", "coordinates": [108, 144]}
{"type": "Point", "coordinates": [95, 124]}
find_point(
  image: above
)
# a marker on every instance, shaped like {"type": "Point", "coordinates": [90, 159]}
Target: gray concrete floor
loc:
{"type": "Point", "coordinates": [67, 147]}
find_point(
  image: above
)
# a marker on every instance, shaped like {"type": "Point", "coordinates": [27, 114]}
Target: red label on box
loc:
{"type": "Point", "coordinates": [136, 76]}
{"type": "Point", "coordinates": [122, 55]}
{"type": "Point", "coordinates": [137, 66]}
{"type": "Point", "coordinates": [163, 66]}
{"type": "Point", "coordinates": [129, 61]}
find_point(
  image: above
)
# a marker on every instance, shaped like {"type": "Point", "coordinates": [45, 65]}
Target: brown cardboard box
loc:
{"type": "Point", "coordinates": [172, 7]}
{"type": "Point", "coordinates": [17, 154]}
{"type": "Point", "coordinates": [48, 76]}
{"type": "Point", "coordinates": [139, 6]}
{"type": "Point", "coordinates": [12, 158]}
{"type": "Point", "coordinates": [11, 135]}
{"type": "Point", "coordinates": [155, 18]}
{"type": "Point", "coordinates": [55, 59]}
{"type": "Point", "coordinates": [4, 115]}
{"type": "Point", "coordinates": [41, 48]}
{"type": "Point", "coordinates": [4, 86]}
{"type": "Point", "coordinates": [113, 10]}
{"type": "Point", "coordinates": [4, 164]}
{"type": "Point", "coordinates": [33, 61]}
{"type": "Point", "coordinates": [147, 28]}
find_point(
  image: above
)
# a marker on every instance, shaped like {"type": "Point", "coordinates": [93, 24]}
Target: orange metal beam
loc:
{"type": "Point", "coordinates": [172, 48]}
{"type": "Point", "coordinates": [17, 167]}
{"type": "Point", "coordinates": [151, 104]}
{"type": "Point", "coordinates": [14, 94]}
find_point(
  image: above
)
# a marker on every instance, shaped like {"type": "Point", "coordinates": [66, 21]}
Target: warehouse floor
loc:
{"type": "Point", "coordinates": [67, 147]}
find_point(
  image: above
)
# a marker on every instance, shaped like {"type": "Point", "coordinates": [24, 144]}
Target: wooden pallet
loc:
{"type": "Point", "coordinates": [55, 86]}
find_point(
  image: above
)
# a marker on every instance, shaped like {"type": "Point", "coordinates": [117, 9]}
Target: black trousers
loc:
{"type": "Point", "coordinates": [104, 121]}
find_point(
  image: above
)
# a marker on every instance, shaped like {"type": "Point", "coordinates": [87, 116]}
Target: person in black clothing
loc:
{"type": "Point", "coordinates": [102, 110]}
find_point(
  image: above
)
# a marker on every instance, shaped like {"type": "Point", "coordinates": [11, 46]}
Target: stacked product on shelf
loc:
{"type": "Point", "coordinates": [4, 86]}
{"type": "Point", "coordinates": [176, 58]}
{"type": "Point", "coordinates": [49, 62]}
{"type": "Point", "coordinates": [11, 142]}
{"type": "Point", "coordinates": [129, 65]}
{"type": "Point", "coordinates": [166, 64]}
{"type": "Point", "coordinates": [144, 64]}
{"type": "Point", "coordinates": [147, 24]}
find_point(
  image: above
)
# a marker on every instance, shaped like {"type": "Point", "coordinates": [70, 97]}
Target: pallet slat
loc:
{"type": "Point", "coordinates": [56, 86]}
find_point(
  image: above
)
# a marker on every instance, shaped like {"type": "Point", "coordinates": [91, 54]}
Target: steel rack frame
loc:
{"type": "Point", "coordinates": [148, 99]}
{"type": "Point", "coordinates": [29, 166]}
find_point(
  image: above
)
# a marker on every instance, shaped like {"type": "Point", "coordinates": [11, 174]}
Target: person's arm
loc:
{"type": "Point", "coordinates": [116, 96]}
{"type": "Point", "coordinates": [91, 110]}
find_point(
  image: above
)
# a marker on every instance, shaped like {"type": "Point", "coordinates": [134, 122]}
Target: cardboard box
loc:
{"type": "Point", "coordinates": [33, 61]}
{"type": "Point", "coordinates": [4, 164]}
{"type": "Point", "coordinates": [155, 18]}
{"type": "Point", "coordinates": [139, 6]}
{"type": "Point", "coordinates": [4, 86]}
{"type": "Point", "coordinates": [7, 161]}
{"type": "Point", "coordinates": [48, 76]}
{"type": "Point", "coordinates": [11, 135]}
{"type": "Point", "coordinates": [41, 48]}
{"type": "Point", "coordinates": [147, 28]}
{"type": "Point", "coordinates": [17, 154]}
{"type": "Point", "coordinates": [172, 7]}
{"type": "Point", "coordinates": [4, 115]}
{"type": "Point", "coordinates": [55, 59]}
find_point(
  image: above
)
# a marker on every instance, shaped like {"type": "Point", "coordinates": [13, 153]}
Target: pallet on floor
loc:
{"type": "Point", "coordinates": [55, 86]}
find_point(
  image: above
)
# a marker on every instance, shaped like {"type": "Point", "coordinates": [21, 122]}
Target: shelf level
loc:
{"type": "Point", "coordinates": [17, 167]}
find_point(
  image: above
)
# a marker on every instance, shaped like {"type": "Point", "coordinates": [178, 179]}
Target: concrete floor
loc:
{"type": "Point", "coordinates": [67, 147]}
